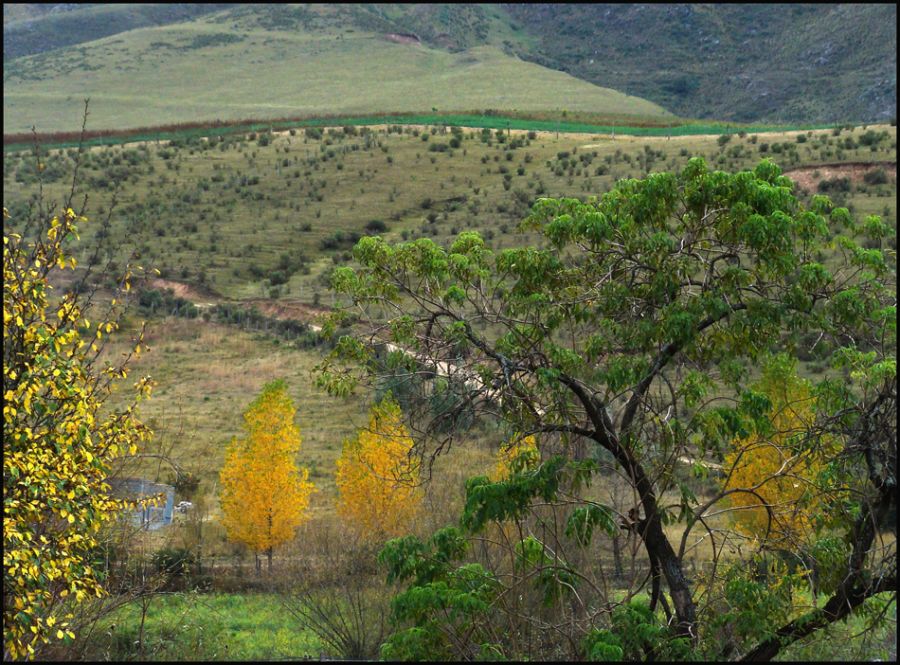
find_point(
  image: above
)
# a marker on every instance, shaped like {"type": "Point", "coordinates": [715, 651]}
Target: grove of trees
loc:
{"type": "Point", "coordinates": [653, 336]}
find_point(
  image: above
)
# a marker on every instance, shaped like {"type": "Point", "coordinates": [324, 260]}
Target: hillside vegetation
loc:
{"type": "Point", "coordinates": [259, 221]}
{"type": "Point", "coordinates": [780, 63]}
{"type": "Point", "coordinates": [229, 66]}
{"type": "Point", "coordinates": [747, 63]}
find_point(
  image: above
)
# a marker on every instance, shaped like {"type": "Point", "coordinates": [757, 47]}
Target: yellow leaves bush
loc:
{"type": "Point", "coordinates": [58, 443]}
{"type": "Point", "coordinates": [264, 494]}
{"type": "Point", "coordinates": [377, 476]}
{"type": "Point", "coordinates": [779, 470]}
{"type": "Point", "coordinates": [520, 453]}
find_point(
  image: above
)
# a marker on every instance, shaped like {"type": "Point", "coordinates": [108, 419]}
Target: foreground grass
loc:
{"type": "Point", "coordinates": [191, 626]}
{"type": "Point", "coordinates": [255, 626]}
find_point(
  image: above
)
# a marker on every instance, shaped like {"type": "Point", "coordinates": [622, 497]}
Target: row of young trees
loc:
{"type": "Point", "coordinates": [265, 496]}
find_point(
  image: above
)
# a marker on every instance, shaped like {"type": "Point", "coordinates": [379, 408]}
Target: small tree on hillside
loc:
{"type": "Point", "coordinates": [264, 494]}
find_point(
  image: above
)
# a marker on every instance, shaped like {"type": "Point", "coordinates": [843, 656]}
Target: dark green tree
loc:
{"type": "Point", "coordinates": [637, 328]}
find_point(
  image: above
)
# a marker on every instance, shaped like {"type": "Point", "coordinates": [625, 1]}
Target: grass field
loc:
{"type": "Point", "coordinates": [248, 71]}
{"type": "Point", "coordinates": [246, 214]}
{"type": "Point", "coordinates": [191, 626]}
{"type": "Point", "coordinates": [243, 627]}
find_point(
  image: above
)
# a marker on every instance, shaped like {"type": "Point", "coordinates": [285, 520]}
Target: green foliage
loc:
{"type": "Point", "coordinates": [498, 501]}
{"type": "Point", "coordinates": [635, 634]}
{"type": "Point", "coordinates": [442, 600]}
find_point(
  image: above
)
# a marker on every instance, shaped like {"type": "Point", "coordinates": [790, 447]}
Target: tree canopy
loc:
{"type": "Point", "coordinates": [60, 438]}
{"type": "Point", "coordinates": [264, 493]}
{"type": "Point", "coordinates": [638, 326]}
{"type": "Point", "coordinates": [377, 478]}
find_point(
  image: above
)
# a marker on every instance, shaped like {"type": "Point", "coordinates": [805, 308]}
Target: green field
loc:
{"type": "Point", "coordinates": [247, 627]}
{"type": "Point", "coordinates": [589, 123]}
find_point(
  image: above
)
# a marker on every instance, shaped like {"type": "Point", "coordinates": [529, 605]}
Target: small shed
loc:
{"type": "Point", "coordinates": [151, 517]}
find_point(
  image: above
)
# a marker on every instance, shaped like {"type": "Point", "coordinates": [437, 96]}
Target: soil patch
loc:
{"type": "Point", "coordinates": [199, 296]}
{"type": "Point", "coordinates": [403, 38]}
{"type": "Point", "coordinates": [287, 310]}
{"type": "Point", "coordinates": [809, 177]}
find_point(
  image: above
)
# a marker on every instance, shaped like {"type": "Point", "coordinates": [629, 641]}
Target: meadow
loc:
{"type": "Point", "coordinates": [276, 72]}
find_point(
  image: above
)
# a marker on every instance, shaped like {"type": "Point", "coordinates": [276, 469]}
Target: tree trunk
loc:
{"type": "Point", "coordinates": [617, 555]}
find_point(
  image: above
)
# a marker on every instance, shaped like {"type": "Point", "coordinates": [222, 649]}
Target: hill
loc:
{"type": "Point", "coordinates": [741, 62]}
{"type": "Point", "coordinates": [272, 62]}
{"type": "Point", "coordinates": [780, 63]}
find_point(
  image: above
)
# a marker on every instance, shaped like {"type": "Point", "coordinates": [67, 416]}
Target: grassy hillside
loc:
{"type": "Point", "coordinates": [264, 219]}
{"type": "Point", "coordinates": [227, 67]}
{"type": "Point", "coordinates": [35, 28]}
{"type": "Point", "coordinates": [761, 63]}
{"type": "Point", "coordinates": [225, 213]}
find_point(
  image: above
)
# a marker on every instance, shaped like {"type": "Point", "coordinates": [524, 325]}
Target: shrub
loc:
{"type": "Point", "coordinates": [376, 226]}
{"type": "Point", "coordinates": [876, 177]}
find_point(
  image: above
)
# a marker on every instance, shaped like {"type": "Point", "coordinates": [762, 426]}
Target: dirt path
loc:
{"type": "Point", "coordinates": [196, 295]}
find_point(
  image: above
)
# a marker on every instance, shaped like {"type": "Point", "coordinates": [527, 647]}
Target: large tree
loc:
{"type": "Point", "coordinates": [61, 438]}
{"type": "Point", "coordinates": [637, 328]}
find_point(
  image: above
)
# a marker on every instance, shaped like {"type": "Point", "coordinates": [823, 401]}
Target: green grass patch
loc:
{"type": "Point", "coordinates": [193, 626]}
{"type": "Point", "coordinates": [644, 127]}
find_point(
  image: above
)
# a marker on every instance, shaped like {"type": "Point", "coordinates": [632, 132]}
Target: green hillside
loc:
{"type": "Point", "coordinates": [784, 63]}
{"type": "Point", "coordinates": [234, 65]}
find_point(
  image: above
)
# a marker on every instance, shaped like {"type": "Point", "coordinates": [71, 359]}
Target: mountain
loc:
{"type": "Point", "coordinates": [741, 62]}
{"type": "Point", "coordinates": [773, 63]}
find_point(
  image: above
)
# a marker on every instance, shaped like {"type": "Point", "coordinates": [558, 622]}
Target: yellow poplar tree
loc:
{"type": "Point", "coordinates": [781, 468]}
{"type": "Point", "coordinates": [58, 439]}
{"type": "Point", "coordinates": [264, 493]}
{"type": "Point", "coordinates": [377, 477]}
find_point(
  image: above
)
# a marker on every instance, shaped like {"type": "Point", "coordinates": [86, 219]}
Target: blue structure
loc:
{"type": "Point", "coordinates": [151, 517]}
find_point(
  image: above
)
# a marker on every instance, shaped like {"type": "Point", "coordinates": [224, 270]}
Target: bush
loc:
{"type": "Point", "coordinates": [876, 177]}
{"type": "Point", "coordinates": [835, 185]}
{"type": "Point", "coordinates": [376, 226]}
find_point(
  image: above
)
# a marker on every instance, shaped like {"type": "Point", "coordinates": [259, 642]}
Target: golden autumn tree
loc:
{"type": "Point", "coordinates": [377, 477]}
{"type": "Point", "coordinates": [773, 477]}
{"type": "Point", "coordinates": [264, 493]}
{"type": "Point", "coordinates": [59, 437]}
